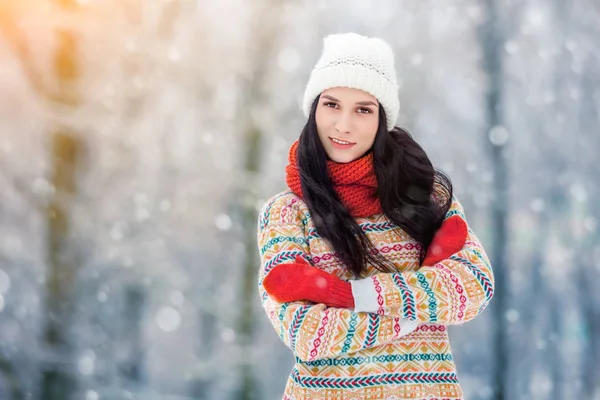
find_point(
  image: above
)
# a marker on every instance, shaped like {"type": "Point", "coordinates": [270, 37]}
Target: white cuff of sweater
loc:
{"type": "Point", "coordinates": [365, 300]}
{"type": "Point", "coordinates": [365, 296]}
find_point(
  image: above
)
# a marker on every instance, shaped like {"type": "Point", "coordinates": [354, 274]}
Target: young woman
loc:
{"type": "Point", "coordinates": [367, 257]}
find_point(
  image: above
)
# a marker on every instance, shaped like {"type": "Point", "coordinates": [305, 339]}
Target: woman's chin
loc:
{"type": "Point", "coordinates": [342, 158]}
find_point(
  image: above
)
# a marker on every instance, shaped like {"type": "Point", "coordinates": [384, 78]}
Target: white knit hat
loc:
{"type": "Point", "coordinates": [359, 62]}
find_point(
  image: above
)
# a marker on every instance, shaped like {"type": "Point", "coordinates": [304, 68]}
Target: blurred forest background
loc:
{"type": "Point", "coordinates": [139, 138]}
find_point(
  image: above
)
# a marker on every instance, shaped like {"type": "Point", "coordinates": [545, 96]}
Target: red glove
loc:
{"type": "Point", "coordinates": [449, 239]}
{"type": "Point", "coordinates": [302, 281]}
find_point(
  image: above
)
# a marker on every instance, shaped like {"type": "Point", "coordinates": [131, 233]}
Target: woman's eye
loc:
{"type": "Point", "coordinates": [330, 105]}
{"type": "Point", "coordinates": [363, 110]}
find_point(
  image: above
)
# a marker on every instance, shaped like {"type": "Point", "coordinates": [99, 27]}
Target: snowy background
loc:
{"type": "Point", "coordinates": [139, 138]}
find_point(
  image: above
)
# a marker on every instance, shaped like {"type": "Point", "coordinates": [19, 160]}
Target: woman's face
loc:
{"type": "Point", "coordinates": [347, 121]}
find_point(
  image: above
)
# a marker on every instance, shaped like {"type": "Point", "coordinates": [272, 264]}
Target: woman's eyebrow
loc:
{"type": "Point", "coordinates": [360, 103]}
{"type": "Point", "coordinates": [367, 103]}
{"type": "Point", "coordinates": [326, 96]}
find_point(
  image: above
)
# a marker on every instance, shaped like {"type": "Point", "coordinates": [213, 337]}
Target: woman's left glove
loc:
{"type": "Point", "coordinates": [448, 240]}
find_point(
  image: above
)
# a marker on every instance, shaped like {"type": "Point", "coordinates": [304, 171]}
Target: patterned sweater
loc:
{"type": "Point", "coordinates": [394, 344]}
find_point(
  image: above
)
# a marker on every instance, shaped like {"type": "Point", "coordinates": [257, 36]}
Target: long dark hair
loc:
{"type": "Point", "coordinates": [405, 178]}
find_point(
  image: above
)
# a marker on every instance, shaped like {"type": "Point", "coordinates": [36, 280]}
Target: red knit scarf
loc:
{"type": "Point", "coordinates": [354, 182]}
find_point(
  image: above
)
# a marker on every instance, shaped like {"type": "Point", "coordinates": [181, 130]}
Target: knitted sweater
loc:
{"type": "Point", "coordinates": [394, 344]}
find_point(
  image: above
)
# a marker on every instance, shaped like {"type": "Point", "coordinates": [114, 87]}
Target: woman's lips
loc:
{"type": "Point", "coordinates": [341, 146]}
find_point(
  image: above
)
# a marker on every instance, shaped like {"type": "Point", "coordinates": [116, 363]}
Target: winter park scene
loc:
{"type": "Point", "coordinates": [268, 199]}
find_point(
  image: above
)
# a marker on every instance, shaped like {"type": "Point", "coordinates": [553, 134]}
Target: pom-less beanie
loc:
{"type": "Point", "coordinates": [355, 61]}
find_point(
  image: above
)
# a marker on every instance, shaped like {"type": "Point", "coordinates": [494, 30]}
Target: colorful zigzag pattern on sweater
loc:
{"type": "Point", "coordinates": [397, 345]}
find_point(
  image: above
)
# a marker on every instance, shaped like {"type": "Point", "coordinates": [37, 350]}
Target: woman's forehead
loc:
{"type": "Point", "coordinates": [348, 94]}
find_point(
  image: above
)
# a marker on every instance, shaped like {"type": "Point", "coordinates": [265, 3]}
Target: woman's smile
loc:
{"type": "Point", "coordinates": [341, 144]}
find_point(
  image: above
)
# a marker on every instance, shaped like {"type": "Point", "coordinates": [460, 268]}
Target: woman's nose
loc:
{"type": "Point", "coordinates": [344, 123]}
